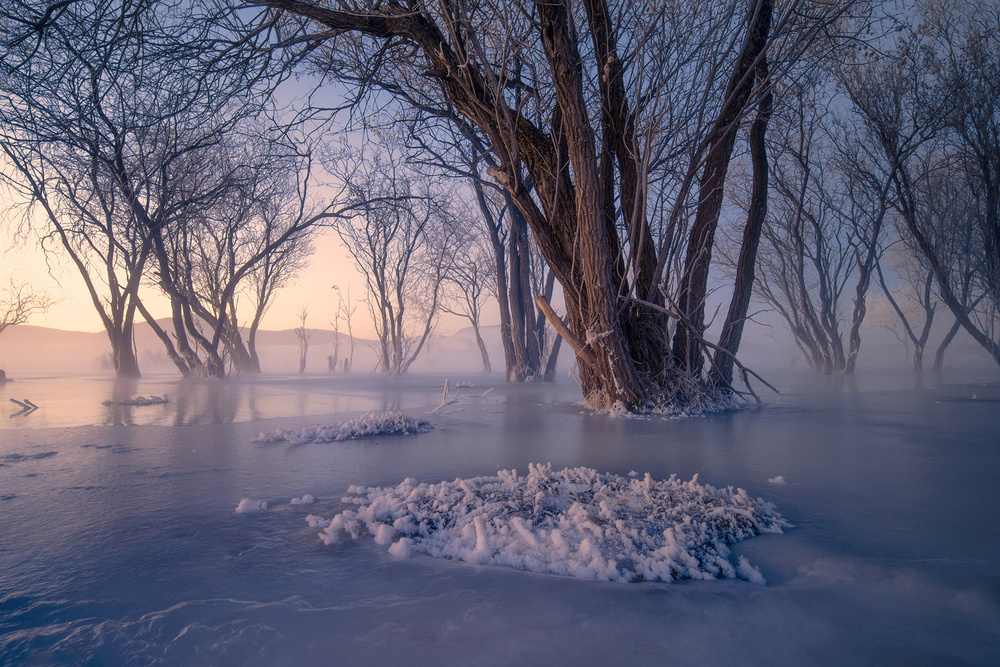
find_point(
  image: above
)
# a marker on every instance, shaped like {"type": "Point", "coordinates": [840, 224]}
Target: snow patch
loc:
{"type": "Point", "coordinates": [366, 425]}
{"type": "Point", "coordinates": [304, 500]}
{"type": "Point", "coordinates": [748, 572]}
{"type": "Point", "coordinates": [140, 400]}
{"type": "Point", "coordinates": [575, 522]}
{"type": "Point", "coordinates": [248, 506]}
{"type": "Point", "coordinates": [780, 479]}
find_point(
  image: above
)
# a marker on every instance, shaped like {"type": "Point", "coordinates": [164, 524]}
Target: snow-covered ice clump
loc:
{"type": "Point", "coordinates": [575, 522]}
{"type": "Point", "coordinates": [780, 479]}
{"type": "Point", "coordinates": [248, 506]}
{"type": "Point", "coordinates": [304, 500]}
{"type": "Point", "coordinates": [140, 400]}
{"type": "Point", "coordinates": [366, 425]}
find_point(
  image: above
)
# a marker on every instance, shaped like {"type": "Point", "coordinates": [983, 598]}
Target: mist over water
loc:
{"type": "Point", "coordinates": [119, 542]}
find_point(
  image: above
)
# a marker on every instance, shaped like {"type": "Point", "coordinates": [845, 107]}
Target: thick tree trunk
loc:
{"type": "Point", "coordinates": [123, 354]}
{"type": "Point", "coordinates": [613, 379]}
{"type": "Point", "coordinates": [732, 330]}
{"type": "Point", "coordinates": [694, 283]}
{"type": "Point", "coordinates": [518, 285]}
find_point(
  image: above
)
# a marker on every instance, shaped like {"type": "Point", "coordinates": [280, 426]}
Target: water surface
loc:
{"type": "Point", "coordinates": [119, 542]}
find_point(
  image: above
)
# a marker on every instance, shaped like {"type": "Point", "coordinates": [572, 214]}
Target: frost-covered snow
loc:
{"type": "Point", "coordinates": [780, 479]}
{"type": "Point", "coordinates": [304, 500]}
{"type": "Point", "coordinates": [574, 521]}
{"type": "Point", "coordinates": [248, 506]}
{"type": "Point", "coordinates": [366, 425]}
{"type": "Point", "coordinates": [140, 400]}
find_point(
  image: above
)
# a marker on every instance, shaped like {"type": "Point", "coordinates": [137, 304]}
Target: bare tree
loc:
{"type": "Point", "coordinates": [302, 336]}
{"type": "Point", "coordinates": [107, 130]}
{"type": "Point", "coordinates": [934, 116]}
{"type": "Point", "coordinates": [470, 280]}
{"type": "Point", "coordinates": [248, 242]}
{"type": "Point", "coordinates": [60, 125]}
{"type": "Point", "coordinates": [635, 101]}
{"type": "Point", "coordinates": [914, 303]}
{"type": "Point", "coordinates": [402, 239]}
{"type": "Point", "coordinates": [805, 259]}
{"type": "Point", "coordinates": [19, 302]}
{"type": "Point", "coordinates": [344, 311]}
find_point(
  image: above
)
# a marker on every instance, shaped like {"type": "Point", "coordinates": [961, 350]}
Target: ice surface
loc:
{"type": "Point", "coordinates": [574, 521]}
{"type": "Point", "coordinates": [119, 543]}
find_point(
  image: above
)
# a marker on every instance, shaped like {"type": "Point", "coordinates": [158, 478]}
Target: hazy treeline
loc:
{"type": "Point", "coordinates": [808, 151]}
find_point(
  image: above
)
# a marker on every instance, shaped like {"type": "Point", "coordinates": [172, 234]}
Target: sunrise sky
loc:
{"type": "Point", "coordinates": [330, 265]}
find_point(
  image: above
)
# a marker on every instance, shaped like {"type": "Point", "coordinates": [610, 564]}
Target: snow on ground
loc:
{"type": "Point", "coordinates": [248, 506]}
{"type": "Point", "coordinates": [366, 425]}
{"type": "Point", "coordinates": [140, 400]}
{"type": "Point", "coordinates": [575, 522]}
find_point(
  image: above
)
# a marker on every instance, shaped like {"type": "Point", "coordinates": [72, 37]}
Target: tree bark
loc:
{"type": "Point", "coordinates": [732, 330]}
{"type": "Point", "coordinates": [694, 282]}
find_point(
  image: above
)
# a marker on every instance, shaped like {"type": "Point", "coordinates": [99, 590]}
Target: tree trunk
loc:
{"type": "Point", "coordinates": [123, 354]}
{"type": "Point", "coordinates": [694, 282]}
{"type": "Point", "coordinates": [487, 368]}
{"type": "Point", "coordinates": [732, 330]}
{"type": "Point", "coordinates": [172, 354]}
{"type": "Point", "coordinates": [518, 287]}
{"type": "Point", "coordinates": [500, 274]}
{"type": "Point", "coordinates": [939, 355]}
{"type": "Point", "coordinates": [550, 364]}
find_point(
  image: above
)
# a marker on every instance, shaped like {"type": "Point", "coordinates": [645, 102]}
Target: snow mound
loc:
{"type": "Point", "coordinates": [248, 506]}
{"type": "Point", "coordinates": [574, 522]}
{"type": "Point", "coordinates": [140, 400]}
{"type": "Point", "coordinates": [366, 425]}
{"type": "Point", "coordinates": [304, 500]}
{"type": "Point", "coordinates": [780, 479]}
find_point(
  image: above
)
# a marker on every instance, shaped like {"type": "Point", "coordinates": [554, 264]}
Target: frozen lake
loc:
{"type": "Point", "coordinates": [119, 543]}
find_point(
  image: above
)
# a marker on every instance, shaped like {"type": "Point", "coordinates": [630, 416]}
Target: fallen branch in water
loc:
{"type": "Point", "coordinates": [446, 399]}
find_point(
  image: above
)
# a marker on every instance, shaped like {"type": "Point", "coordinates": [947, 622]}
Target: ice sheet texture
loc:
{"type": "Point", "coordinates": [366, 425]}
{"type": "Point", "coordinates": [575, 522]}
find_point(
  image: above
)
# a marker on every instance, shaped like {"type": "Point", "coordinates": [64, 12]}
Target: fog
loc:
{"type": "Point", "coordinates": [120, 543]}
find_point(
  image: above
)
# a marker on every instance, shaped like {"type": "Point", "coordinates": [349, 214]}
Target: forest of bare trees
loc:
{"type": "Point", "coordinates": [586, 154]}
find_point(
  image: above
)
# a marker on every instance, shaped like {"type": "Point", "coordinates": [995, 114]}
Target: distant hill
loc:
{"type": "Point", "coordinates": [40, 350]}
{"type": "Point", "coordinates": [32, 350]}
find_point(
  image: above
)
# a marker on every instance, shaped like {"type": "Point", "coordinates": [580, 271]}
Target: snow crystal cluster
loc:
{"type": "Point", "coordinates": [366, 425]}
{"type": "Point", "coordinates": [248, 506]}
{"type": "Point", "coordinates": [575, 522]}
{"type": "Point", "coordinates": [140, 400]}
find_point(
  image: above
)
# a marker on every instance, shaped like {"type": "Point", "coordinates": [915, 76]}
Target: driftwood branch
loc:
{"type": "Point", "coordinates": [578, 346]}
{"type": "Point", "coordinates": [446, 399]}
{"type": "Point", "coordinates": [27, 407]}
